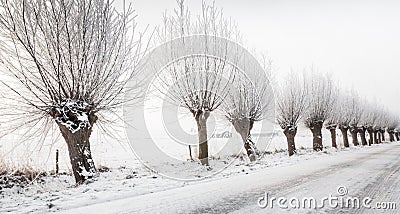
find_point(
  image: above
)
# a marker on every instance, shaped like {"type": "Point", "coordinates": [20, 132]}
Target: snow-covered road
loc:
{"type": "Point", "coordinates": [370, 172]}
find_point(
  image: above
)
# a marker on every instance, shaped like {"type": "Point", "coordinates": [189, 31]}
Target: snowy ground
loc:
{"type": "Point", "coordinates": [365, 172]}
{"type": "Point", "coordinates": [134, 189]}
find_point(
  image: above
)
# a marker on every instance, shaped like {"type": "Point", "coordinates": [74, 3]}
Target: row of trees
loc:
{"type": "Point", "coordinates": [313, 99]}
{"type": "Point", "coordinates": [68, 63]}
{"type": "Point", "coordinates": [211, 79]}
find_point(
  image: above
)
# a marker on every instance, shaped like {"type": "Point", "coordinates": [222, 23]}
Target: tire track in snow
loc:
{"type": "Point", "coordinates": [385, 188]}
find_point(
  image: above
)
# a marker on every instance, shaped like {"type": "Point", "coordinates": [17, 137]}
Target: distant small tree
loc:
{"type": "Point", "coordinates": [367, 123]}
{"type": "Point", "coordinates": [396, 133]}
{"type": "Point", "coordinates": [344, 116]}
{"type": "Point", "coordinates": [331, 125]}
{"type": "Point", "coordinates": [393, 123]}
{"type": "Point", "coordinates": [357, 109]}
{"type": "Point", "coordinates": [371, 117]}
{"type": "Point", "coordinates": [380, 127]}
{"type": "Point", "coordinates": [291, 104]}
{"type": "Point", "coordinates": [321, 100]}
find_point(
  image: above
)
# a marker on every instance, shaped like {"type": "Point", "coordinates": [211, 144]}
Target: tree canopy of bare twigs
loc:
{"type": "Point", "coordinates": [68, 61]}
{"type": "Point", "coordinates": [369, 120]}
{"type": "Point", "coordinates": [199, 82]}
{"type": "Point", "coordinates": [345, 115]}
{"type": "Point", "coordinates": [356, 108]}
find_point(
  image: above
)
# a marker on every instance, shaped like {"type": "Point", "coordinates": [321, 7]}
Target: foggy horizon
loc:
{"type": "Point", "coordinates": [355, 41]}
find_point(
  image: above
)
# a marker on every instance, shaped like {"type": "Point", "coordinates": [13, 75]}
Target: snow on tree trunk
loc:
{"type": "Point", "coordinates": [290, 134]}
{"type": "Point", "coordinates": [243, 127]}
{"type": "Point", "coordinates": [79, 153]}
{"type": "Point", "coordinates": [249, 147]}
{"type": "Point", "coordinates": [354, 132]}
{"type": "Point", "coordinates": [201, 120]}
{"type": "Point", "coordinates": [316, 129]}
{"type": "Point", "coordinates": [397, 136]}
{"type": "Point", "coordinates": [75, 121]}
{"type": "Point", "coordinates": [345, 137]}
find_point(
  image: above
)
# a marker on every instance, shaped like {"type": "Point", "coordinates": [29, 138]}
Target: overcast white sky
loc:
{"type": "Point", "coordinates": [357, 41]}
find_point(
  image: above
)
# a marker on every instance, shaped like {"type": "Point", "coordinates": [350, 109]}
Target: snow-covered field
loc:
{"type": "Point", "coordinates": [116, 151]}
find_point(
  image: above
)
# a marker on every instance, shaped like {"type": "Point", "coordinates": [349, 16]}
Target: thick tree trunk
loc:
{"type": "Point", "coordinates": [317, 136]}
{"type": "Point", "coordinates": [290, 133]}
{"type": "Point", "coordinates": [371, 137]}
{"type": "Point", "coordinates": [391, 136]}
{"type": "Point", "coordinates": [75, 121]}
{"type": "Point", "coordinates": [249, 147]}
{"type": "Point", "coordinates": [79, 153]}
{"type": "Point", "coordinates": [378, 137]}
{"type": "Point", "coordinates": [345, 137]}
{"type": "Point", "coordinates": [375, 134]}
{"type": "Point", "coordinates": [397, 136]}
{"type": "Point", "coordinates": [333, 136]}
{"type": "Point", "coordinates": [363, 137]}
{"type": "Point", "coordinates": [201, 120]}
{"type": "Point", "coordinates": [243, 127]}
{"type": "Point", "coordinates": [354, 132]}
{"type": "Point", "coordinates": [383, 136]}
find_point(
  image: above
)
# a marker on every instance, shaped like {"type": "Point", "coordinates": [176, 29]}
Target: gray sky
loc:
{"type": "Point", "coordinates": [357, 41]}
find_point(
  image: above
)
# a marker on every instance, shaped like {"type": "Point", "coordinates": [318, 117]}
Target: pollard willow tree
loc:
{"type": "Point", "coordinates": [356, 108]}
{"type": "Point", "coordinates": [380, 125]}
{"type": "Point", "coordinates": [384, 123]}
{"type": "Point", "coordinates": [321, 100]}
{"type": "Point", "coordinates": [349, 115]}
{"type": "Point", "coordinates": [201, 82]}
{"type": "Point", "coordinates": [291, 104]}
{"type": "Point", "coordinates": [331, 124]}
{"type": "Point", "coordinates": [396, 132]}
{"type": "Point", "coordinates": [67, 60]}
{"type": "Point", "coordinates": [364, 122]}
{"type": "Point", "coordinates": [393, 123]}
{"type": "Point", "coordinates": [252, 101]}
{"type": "Point", "coordinates": [371, 115]}
{"type": "Point", "coordinates": [345, 115]}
